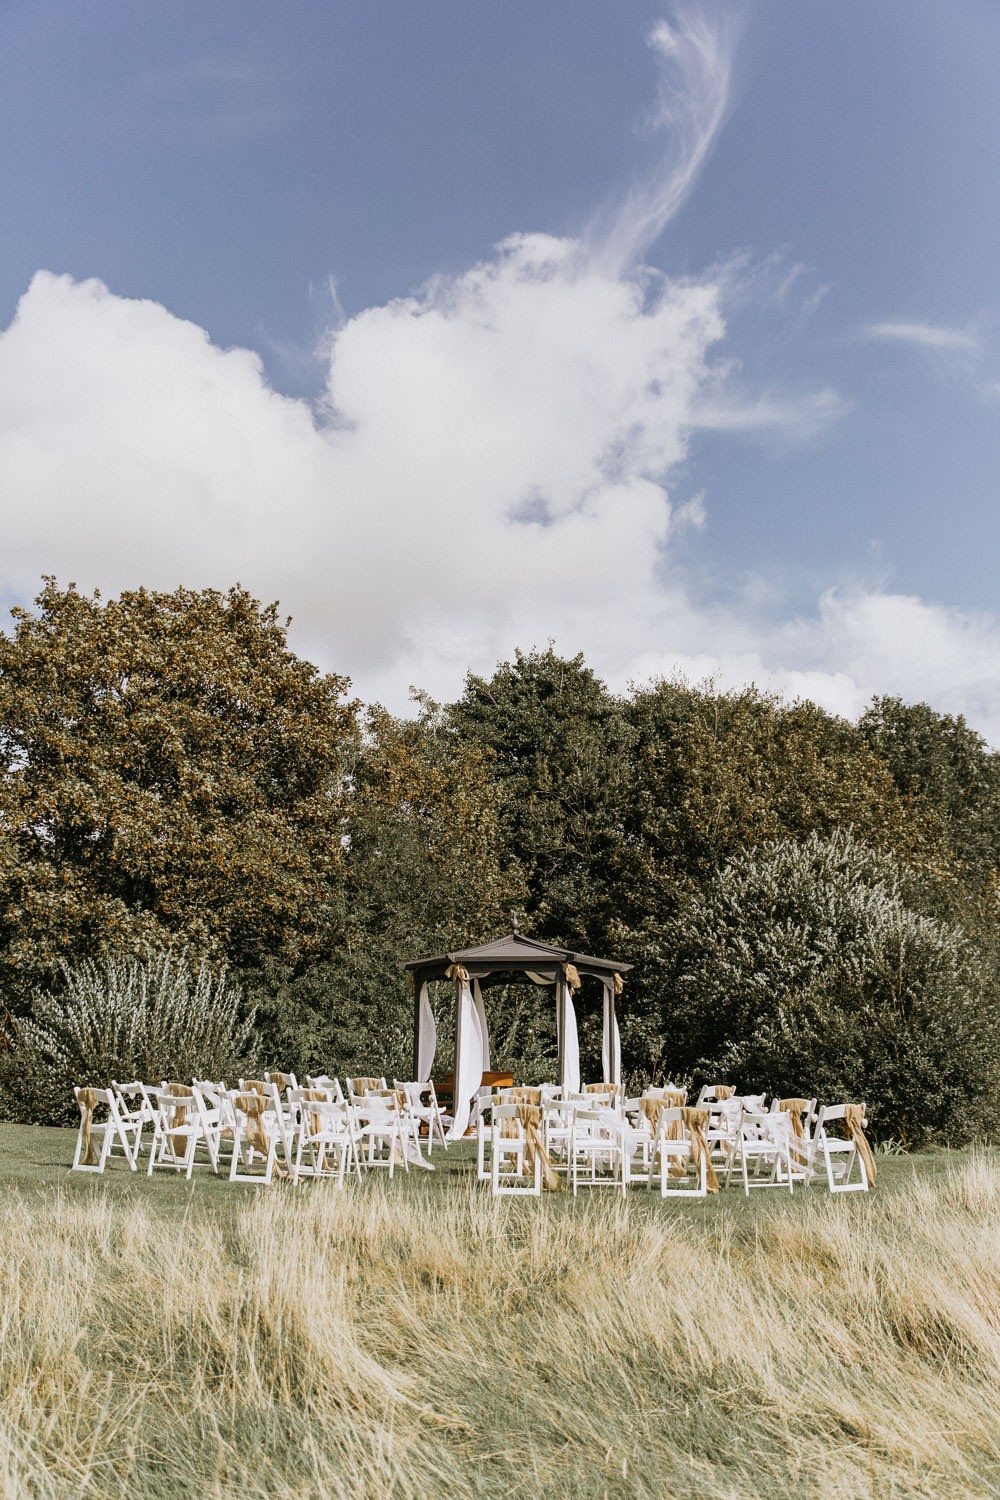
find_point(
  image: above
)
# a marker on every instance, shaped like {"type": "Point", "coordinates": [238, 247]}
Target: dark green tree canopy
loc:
{"type": "Point", "coordinates": [938, 759]}
{"type": "Point", "coordinates": [167, 766]}
{"type": "Point", "coordinates": [562, 752]}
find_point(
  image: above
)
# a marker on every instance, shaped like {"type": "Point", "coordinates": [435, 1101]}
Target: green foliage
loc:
{"type": "Point", "coordinates": [938, 760]}
{"type": "Point", "coordinates": [167, 766]}
{"type": "Point", "coordinates": [426, 870]}
{"type": "Point", "coordinates": [801, 968]}
{"type": "Point", "coordinates": [162, 1017]}
{"type": "Point", "coordinates": [170, 771]}
{"type": "Point", "coordinates": [562, 749]}
{"type": "Point", "coordinates": [716, 772]}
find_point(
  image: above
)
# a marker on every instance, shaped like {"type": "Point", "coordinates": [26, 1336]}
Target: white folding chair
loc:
{"type": "Point", "coordinates": [672, 1146]}
{"type": "Point", "coordinates": [106, 1131]}
{"type": "Point", "coordinates": [557, 1129]}
{"type": "Point", "coordinates": [278, 1111]}
{"type": "Point", "coordinates": [135, 1110]}
{"type": "Point", "coordinates": [215, 1116]}
{"type": "Point", "coordinates": [377, 1127]}
{"type": "Point", "coordinates": [723, 1123]}
{"type": "Point", "coordinates": [358, 1088]}
{"type": "Point", "coordinates": [425, 1110]}
{"type": "Point", "coordinates": [764, 1141]}
{"type": "Point", "coordinates": [177, 1130]}
{"type": "Point", "coordinates": [595, 1143]}
{"type": "Point", "coordinates": [331, 1085]}
{"type": "Point", "coordinates": [637, 1137]}
{"type": "Point", "coordinates": [839, 1153]}
{"type": "Point", "coordinates": [255, 1136]}
{"type": "Point", "coordinates": [708, 1094]}
{"type": "Point", "coordinates": [322, 1129]}
{"type": "Point", "coordinates": [508, 1149]}
{"type": "Point", "coordinates": [282, 1081]}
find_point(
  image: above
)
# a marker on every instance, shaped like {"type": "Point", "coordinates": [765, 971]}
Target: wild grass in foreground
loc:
{"type": "Point", "coordinates": [380, 1342]}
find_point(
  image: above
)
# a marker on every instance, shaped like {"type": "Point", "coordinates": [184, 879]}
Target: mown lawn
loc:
{"type": "Point", "coordinates": [419, 1338]}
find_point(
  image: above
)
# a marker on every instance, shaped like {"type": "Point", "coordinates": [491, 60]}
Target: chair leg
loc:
{"type": "Point", "coordinates": [105, 1149]}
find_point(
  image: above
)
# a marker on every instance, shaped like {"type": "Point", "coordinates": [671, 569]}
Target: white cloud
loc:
{"type": "Point", "coordinates": [798, 418]}
{"type": "Point", "coordinates": [937, 337]}
{"type": "Point", "coordinates": [855, 645]}
{"type": "Point", "coordinates": [492, 467]}
{"type": "Point", "coordinates": [695, 77]}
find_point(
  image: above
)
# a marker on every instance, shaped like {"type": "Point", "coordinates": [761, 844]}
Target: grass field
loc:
{"type": "Point", "coordinates": [419, 1338]}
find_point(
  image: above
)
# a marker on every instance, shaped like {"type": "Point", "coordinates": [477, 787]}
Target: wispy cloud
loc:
{"type": "Point", "coordinates": [798, 418]}
{"type": "Point", "coordinates": [936, 337]}
{"type": "Point", "coordinates": [694, 55]}
{"type": "Point", "coordinates": [961, 354]}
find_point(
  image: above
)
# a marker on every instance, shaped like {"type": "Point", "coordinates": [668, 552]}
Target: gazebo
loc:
{"type": "Point", "coordinates": [511, 959]}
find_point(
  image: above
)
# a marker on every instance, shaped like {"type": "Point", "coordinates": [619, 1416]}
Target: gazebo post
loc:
{"type": "Point", "coordinates": [416, 1025]}
{"type": "Point", "coordinates": [561, 1030]}
{"type": "Point", "coordinates": [610, 1050]}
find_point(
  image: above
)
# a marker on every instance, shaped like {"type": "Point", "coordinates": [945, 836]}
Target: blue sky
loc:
{"type": "Point", "coordinates": [726, 401]}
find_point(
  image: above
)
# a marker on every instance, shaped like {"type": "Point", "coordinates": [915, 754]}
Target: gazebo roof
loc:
{"type": "Point", "coordinates": [514, 953]}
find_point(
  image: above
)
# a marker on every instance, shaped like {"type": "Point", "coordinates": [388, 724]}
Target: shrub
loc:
{"type": "Point", "coordinates": [804, 968]}
{"type": "Point", "coordinates": [162, 1017]}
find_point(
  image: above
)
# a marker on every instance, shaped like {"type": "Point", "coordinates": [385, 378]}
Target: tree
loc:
{"type": "Point", "coordinates": [427, 870]}
{"type": "Point", "coordinates": [937, 759]}
{"type": "Point", "coordinates": [801, 968]}
{"type": "Point", "coordinates": [561, 745]}
{"type": "Point", "coordinates": [717, 773]}
{"type": "Point", "coordinates": [167, 768]}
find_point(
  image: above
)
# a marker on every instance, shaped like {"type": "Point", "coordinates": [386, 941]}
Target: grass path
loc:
{"type": "Point", "coordinates": [418, 1338]}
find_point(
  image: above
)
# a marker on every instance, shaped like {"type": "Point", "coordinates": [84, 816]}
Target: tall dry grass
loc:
{"type": "Point", "coordinates": [371, 1344]}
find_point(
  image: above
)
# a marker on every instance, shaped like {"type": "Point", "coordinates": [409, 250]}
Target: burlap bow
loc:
{"type": "Point", "coordinates": [314, 1096]}
{"type": "Point", "coordinates": [795, 1110]}
{"type": "Point", "coordinates": [283, 1081]}
{"type": "Point", "coordinates": [696, 1123]}
{"type": "Point", "coordinates": [458, 974]}
{"type": "Point", "coordinates": [602, 1088]}
{"type": "Point", "coordinates": [530, 1117]}
{"type": "Point", "coordinates": [179, 1115]}
{"type": "Point", "coordinates": [522, 1096]}
{"type": "Point", "coordinates": [572, 976]}
{"type": "Point", "coordinates": [253, 1106]}
{"type": "Point", "coordinates": [619, 984]}
{"type": "Point", "coordinates": [87, 1100]}
{"type": "Point", "coordinates": [724, 1091]}
{"type": "Point", "coordinates": [854, 1122]}
{"type": "Point", "coordinates": [364, 1086]}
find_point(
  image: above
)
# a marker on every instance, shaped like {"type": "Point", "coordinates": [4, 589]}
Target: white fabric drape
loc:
{"type": "Point", "coordinates": [569, 1046]}
{"type": "Point", "coordinates": [477, 1000]}
{"type": "Point", "coordinates": [426, 1036]}
{"type": "Point", "coordinates": [611, 1050]}
{"type": "Point", "coordinates": [468, 1061]}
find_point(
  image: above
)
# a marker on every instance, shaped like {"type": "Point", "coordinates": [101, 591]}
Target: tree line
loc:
{"type": "Point", "coordinates": [809, 904]}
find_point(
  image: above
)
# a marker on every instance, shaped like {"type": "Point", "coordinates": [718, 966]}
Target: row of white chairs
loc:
{"type": "Point", "coordinates": [263, 1127]}
{"type": "Point", "coordinates": [600, 1139]}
